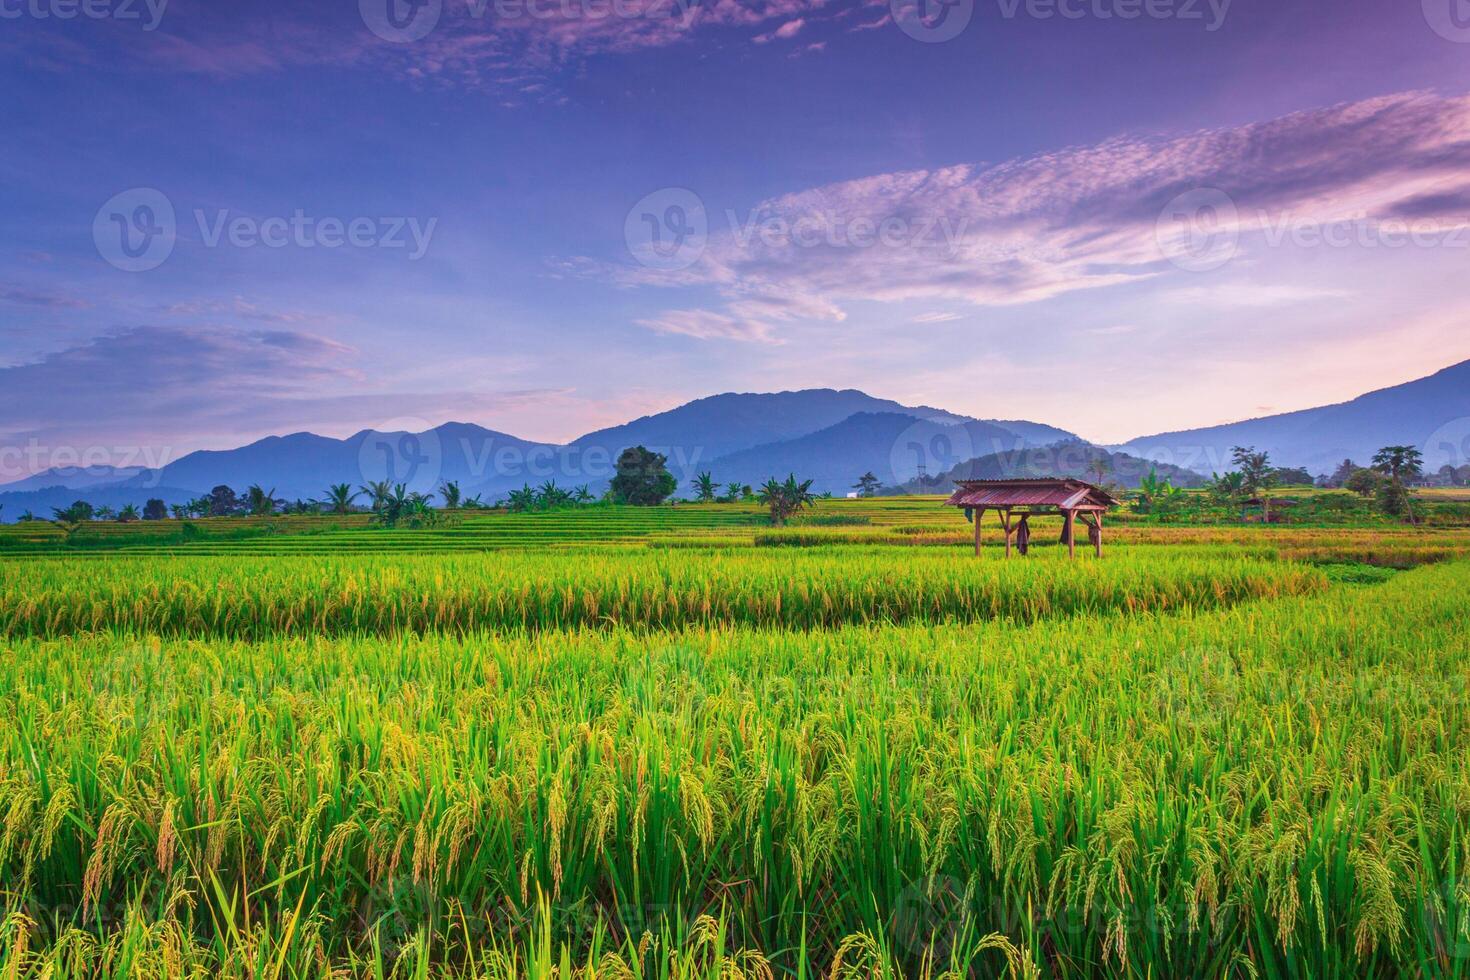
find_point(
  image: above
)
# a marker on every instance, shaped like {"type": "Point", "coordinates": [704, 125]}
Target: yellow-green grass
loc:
{"type": "Point", "coordinates": [1275, 788]}
{"type": "Point", "coordinates": [894, 522]}
{"type": "Point", "coordinates": [809, 589]}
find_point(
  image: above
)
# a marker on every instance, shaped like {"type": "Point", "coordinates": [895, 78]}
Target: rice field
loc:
{"type": "Point", "coordinates": [692, 752]}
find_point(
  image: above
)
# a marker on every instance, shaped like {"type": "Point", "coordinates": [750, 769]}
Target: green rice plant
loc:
{"type": "Point", "coordinates": [339, 596]}
{"type": "Point", "coordinates": [1274, 787]}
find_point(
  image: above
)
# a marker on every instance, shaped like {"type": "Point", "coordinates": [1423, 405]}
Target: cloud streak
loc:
{"type": "Point", "coordinates": [1083, 218]}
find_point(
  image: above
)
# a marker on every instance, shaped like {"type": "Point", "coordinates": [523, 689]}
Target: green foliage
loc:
{"type": "Point", "coordinates": [407, 509]}
{"type": "Point", "coordinates": [340, 497]}
{"type": "Point", "coordinates": [867, 485]}
{"type": "Point", "coordinates": [1363, 482]}
{"type": "Point", "coordinates": [643, 478]}
{"type": "Point", "coordinates": [784, 500]}
{"type": "Point", "coordinates": [1157, 497]}
{"type": "Point", "coordinates": [705, 488]}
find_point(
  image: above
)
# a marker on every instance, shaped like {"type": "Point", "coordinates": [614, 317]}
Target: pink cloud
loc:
{"type": "Point", "coordinates": [1083, 218]}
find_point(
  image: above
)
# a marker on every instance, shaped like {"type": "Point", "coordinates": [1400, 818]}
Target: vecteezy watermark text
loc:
{"type": "Point", "coordinates": [1211, 13]}
{"type": "Point", "coordinates": [1200, 230]}
{"type": "Point", "coordinates": [832, 229]}
{"type": "Point", "coordinates": [16, 462]}
{"type": "Point", "coordinates": [301, 230]}
{"type": "Point", "coordinates": [405, 21]}
{"type": "Point", "coordinates": [669, 230]}
{"type": "Point", "coordinates": [149, 12]}
{"type": "Point", "coordinates": [136, 231]}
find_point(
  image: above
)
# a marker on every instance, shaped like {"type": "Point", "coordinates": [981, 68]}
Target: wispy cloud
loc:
{"type": "Point", "coordinates": [1083, 218]}
{"type": "Point", "coordinates": [706, 325]}
{"type": "Point", "coordinates": [516, 46]}
{"type": "Point", "coordinates": [29, 296]}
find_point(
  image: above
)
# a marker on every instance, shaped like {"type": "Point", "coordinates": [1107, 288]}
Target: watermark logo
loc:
{"type": "Point", "coordinates": [932, 21]}
{"type": "Point", "coordinates": [929, 916]}
{"type": "Point", "coordinates": [928, 449]}
{"type": "Point", "coordinates": [1210, 13]}
{"type": "Point", "coordinates": [301, 230]}
{"type": "Point", "coordinates": [938, 234]}
{"type": "Point", "coordinates": [402, 451]}
{"type": "Point", "coordinates": [1199, 230]}
{"type": "Point", "coordinates": [1448, 445]}
{"type": "Point", "coordinates": [135, 230]}
{"type": "Point", "coordinates": [667, 230]}
{"type": "Point", "coordinates": [401, 21]}
{"type": "Point", "coordinates": [149, 12]}
{"type": "Point", "coordinates": [1450, 19]}
{"type": "Point", "coordinates": [1200, 686]}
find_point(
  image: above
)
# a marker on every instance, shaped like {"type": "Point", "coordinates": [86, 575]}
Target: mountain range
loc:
{"type": "Point", "coordinates": [1432, 413]}
{"type": "Point", "coordinates": [830, 436]}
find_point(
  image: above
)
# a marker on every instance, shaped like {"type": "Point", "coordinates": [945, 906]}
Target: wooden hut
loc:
{"type": "Point", "coordinates": [1017, 500]}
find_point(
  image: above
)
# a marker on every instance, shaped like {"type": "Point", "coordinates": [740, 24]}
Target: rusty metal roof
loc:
{"type": "Point", "coordinates": [1059, 493]}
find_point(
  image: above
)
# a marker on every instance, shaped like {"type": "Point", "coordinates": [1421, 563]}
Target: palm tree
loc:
{"type": "Point", "coordinates": [733, 492]}
{"type": "Point", "coordinates": [340, 497]}
{"type": "Point", "coordinates": [128, 514]}
{"type": "Point", "coordinates": [705, 488]}
{"type": "Point", "coordinates": [1228, 488]}
{"type": "Point", "coordinates": [521, 500]}
{"type": "Point", "coordinates": [452, 497]}
{"type": "Point", "coordinates": [104, 513]}
{"type": "Point", "coordinates": [549, 496]}
{"type": "Point", "coordinates": [260, 502]}
{"type": "Point", "coordinates": [1257, 476]}
{"type": "Point", "coordinates": [378, 493]}
{"type": "Point", "coordinates": [786, 499]}
{"type": "Point", "coordinates": [582, 495]}
{"type": "Point", "coordinates": [1399, 463]}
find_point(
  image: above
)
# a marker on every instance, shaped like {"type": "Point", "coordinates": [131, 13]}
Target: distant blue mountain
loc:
{"type": "Point", "coordinates": [749, 437]}
{"type": "Point", "coordinates": [40, 502]}
{"type": "Point", "coordinates": [830, 436]}
{"type": "Point", "coordinates": [892, 446]}
{"type": "Point", "coordinates": [303, 465]}
{"type": "Point", "coordinates": [1432, 413]}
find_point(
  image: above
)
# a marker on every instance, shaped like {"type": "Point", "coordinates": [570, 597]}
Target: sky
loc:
{"type": "Point", "coordinates": [220, 221]}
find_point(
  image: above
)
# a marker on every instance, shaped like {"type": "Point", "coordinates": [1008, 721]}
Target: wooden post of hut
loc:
{"type": "Point", "coordinates": [1073, 499]}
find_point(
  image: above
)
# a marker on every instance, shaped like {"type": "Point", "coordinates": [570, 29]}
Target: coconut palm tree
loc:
{"type": "Point", "coordinates": [550, 496]}
{"type": "Point", "coordinates": [705, 488]}
{"type": "Point", "coordinates": [519, 501]}
{"type": "Point", "coordinates": [786, 499]}
{"type": "Point", "coordinates": [128, 514]}
{"type": "Point", "coordinates": [260, 502]}
{"type": "Point", "coordinates": [340, 497]}
{"type": "Point", "coordinates": [377, 494]}
{"type": "Point", "coordinates": [449, 490]}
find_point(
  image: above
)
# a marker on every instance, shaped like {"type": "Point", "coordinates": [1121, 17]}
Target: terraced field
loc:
{"type": "Point", "coordinates": [672, 743]}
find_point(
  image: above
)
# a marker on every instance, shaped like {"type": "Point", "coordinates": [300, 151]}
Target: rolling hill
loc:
{"type": "Point", "coordinates": [1076, 460]}
{"type": "Point", "coordinates": [1432, 413]}
{"type": "Point", "coordinates": [891, 446]}
{"type": "Point", "coordinates": [793, 428]}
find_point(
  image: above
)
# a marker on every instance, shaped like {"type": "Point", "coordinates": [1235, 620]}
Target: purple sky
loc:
{"type": "Point", "coordinates": [222, 221]}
